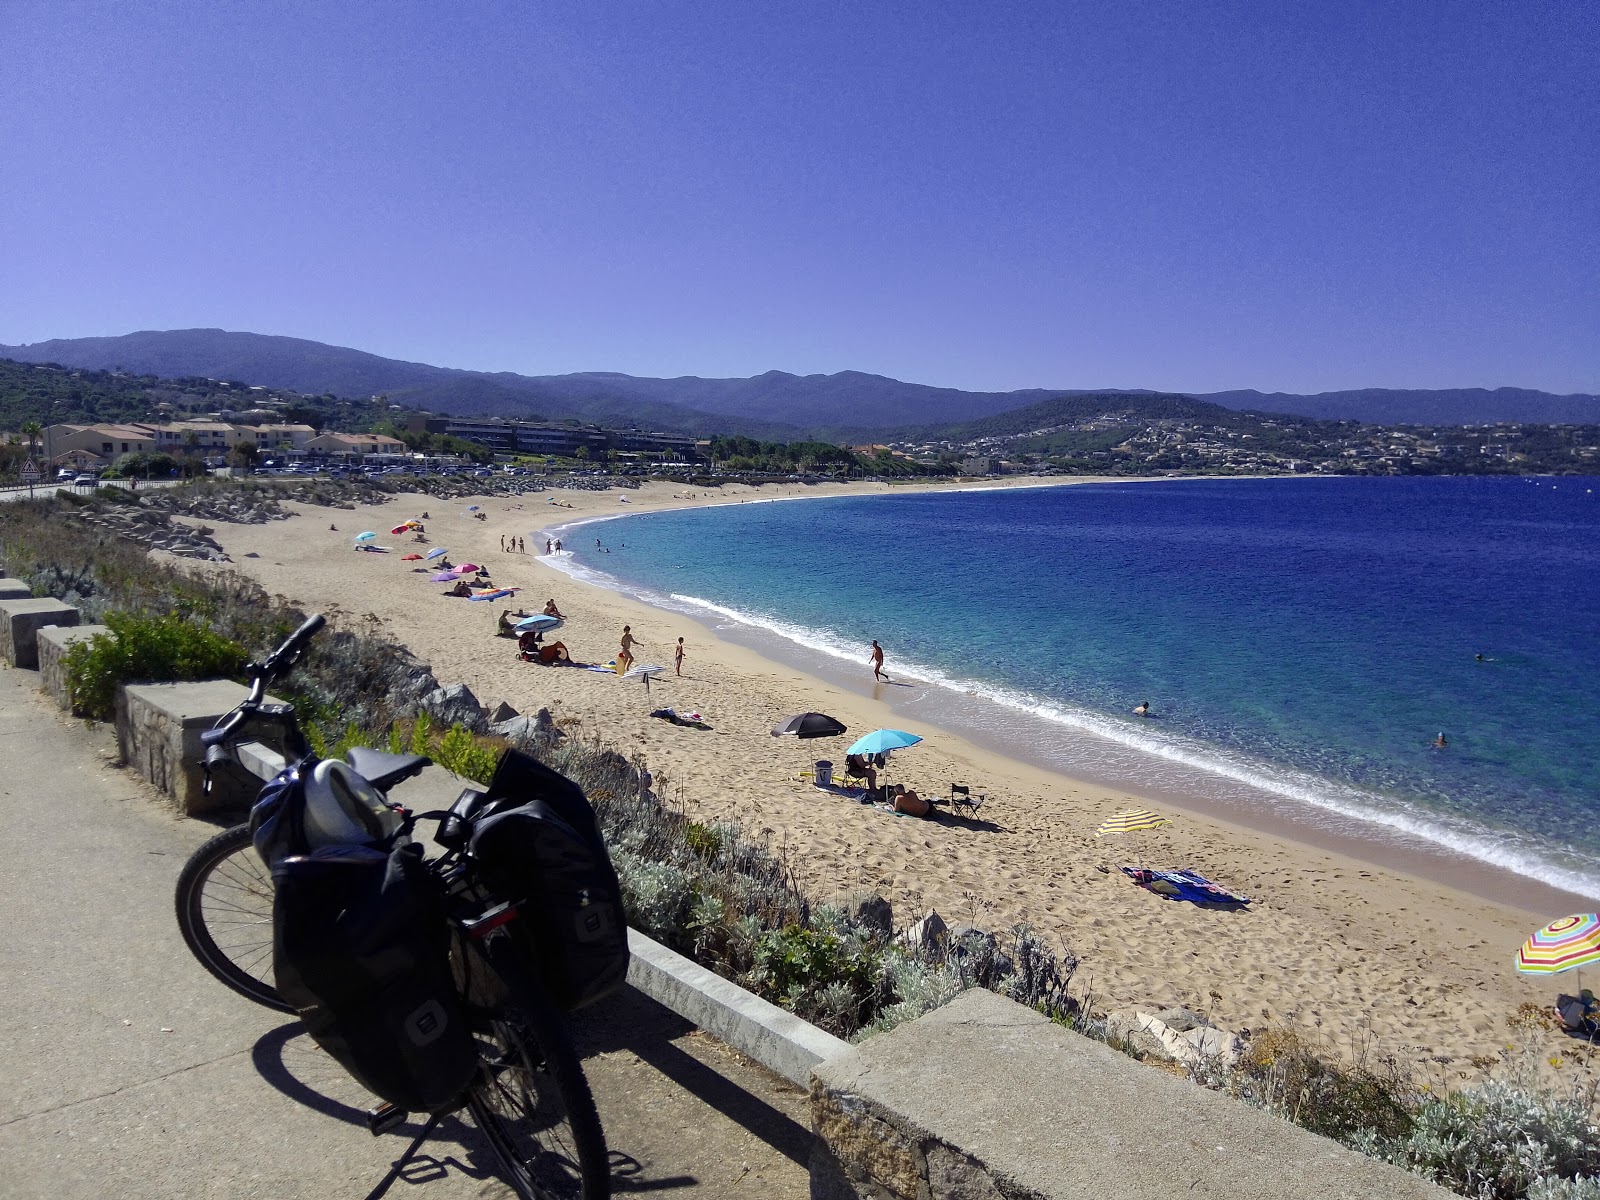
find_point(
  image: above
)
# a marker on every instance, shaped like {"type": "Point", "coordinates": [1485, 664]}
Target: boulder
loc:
{"type": "Point", "coordinates": [456, 705]}
{"type": "Point", "coordinates": [870, 910]}
{"type": "Point", "coordinates": [517, 730]}
{"type": "Point", "coordinates": [501, 712]}
{"type": "Point", "coordinates": [928, 934]}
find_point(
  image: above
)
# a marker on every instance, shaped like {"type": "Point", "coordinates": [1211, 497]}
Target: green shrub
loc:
{"type": "Point", "coordinates": [145, 649]}
{"type": "Point", "coordinates": [1283, 1072]}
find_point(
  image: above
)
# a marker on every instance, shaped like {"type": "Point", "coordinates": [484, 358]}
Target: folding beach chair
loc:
{"type": "Point", "coordinates": [961, 798]}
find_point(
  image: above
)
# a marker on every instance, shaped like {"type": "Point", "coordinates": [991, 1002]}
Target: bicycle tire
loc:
{"type": "Point", "coordinates": [224, 905]}
{"type": "Point", "coordinates": [532, 1100]}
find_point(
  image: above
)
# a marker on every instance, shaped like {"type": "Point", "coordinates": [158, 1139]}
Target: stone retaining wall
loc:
{"type": "Point", "coordinates": [14, 589]}
{"type": "Point", "coordinates": [158, 731]}
{"type": "Point", "coordinates": [20, 622]}
{"type": "Point", "coordinates": [53, 641]}
{"type": "Point", "coordinates": [984, 1099]}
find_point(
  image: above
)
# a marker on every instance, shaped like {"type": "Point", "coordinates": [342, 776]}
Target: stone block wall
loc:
{"type": "Point", "coordinates": [53, 642]}
{"type": "Point", "coordinates": [14, 589]}
{"type": "Point", "coordinates": [20, 622]}
{"type": "Point", "coordinates": [987, 1100]}
{"type": "Point", "coordinates": [158, 731]}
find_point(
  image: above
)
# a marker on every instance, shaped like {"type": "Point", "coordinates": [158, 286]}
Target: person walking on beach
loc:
{"type": "Point", "coordinates": [522, 546]}
{"type": "Point", "coordinates": [677, 658]}
{"type": "Point", "coordinates": [877, 660]}
{"type": "Point", "coordinates": [502, 543]}
{"type": "Point", "coordinates": [547, 546]}
{"type": "Point", "coordinates": [625, 655]}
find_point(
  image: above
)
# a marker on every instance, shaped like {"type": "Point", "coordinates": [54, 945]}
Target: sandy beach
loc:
{"type": "Point", "coordinates": [1351, 946]}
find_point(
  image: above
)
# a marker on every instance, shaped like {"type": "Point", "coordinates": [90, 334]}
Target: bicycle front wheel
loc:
{"type": "Point", "coordinates": [532, 1100]}
{"type": "Point", "coordinates": [224, 903]}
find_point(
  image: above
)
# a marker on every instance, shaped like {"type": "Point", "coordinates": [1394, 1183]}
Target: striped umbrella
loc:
{"type": "Point", "coordinates": [1561, 945]}
{"type": "Point", "coordinates": [1131, 821]}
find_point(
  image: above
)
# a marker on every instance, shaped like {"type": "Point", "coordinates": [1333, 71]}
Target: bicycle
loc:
{"type": "Point", "coordinates": [530, 1097]}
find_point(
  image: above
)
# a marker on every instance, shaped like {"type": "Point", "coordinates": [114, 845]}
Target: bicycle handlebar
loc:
{"type": "Point", "coordinates": [282, 660]}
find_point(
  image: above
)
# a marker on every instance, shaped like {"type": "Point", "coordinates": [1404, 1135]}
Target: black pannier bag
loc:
{"type": "Point", "coordinates": [542, 848]}
{"type": "Point", "coordinates": [361, 950]}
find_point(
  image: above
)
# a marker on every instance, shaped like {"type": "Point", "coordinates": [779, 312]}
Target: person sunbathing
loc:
{"type": "Point", "coordinates": [553, 653]}
{"type": "Point", "coordinates": [550, 610]}
{"type": "Point", "coordinates": [506, 626]}
{"type": "Point", "coordinates": [460, 589]}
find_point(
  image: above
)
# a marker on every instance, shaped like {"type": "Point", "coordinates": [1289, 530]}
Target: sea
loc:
{"type": "Point", "coordinates": [1301, 642]}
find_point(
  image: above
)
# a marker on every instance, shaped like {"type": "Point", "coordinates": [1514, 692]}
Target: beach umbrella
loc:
{"type": "Point", "coordinates": [443, 577]}
{"type": "Point", "coordinates": [436, 552]}
{"type": "Point", "coordinates": [1131, 821]}
{"type": "Point", "coordinates": [538, 623]}
{"type": "Point", "coordinates": [808, 725]}
{"type": "Point", "coordinates": [398, 529]}
{"type": "Point", "coordinates": [366, 537]}
{"type": "Point", "coordinates": [644, 672]}
{"type": "Point", "coordinates": [1561, 946]}
{"type": "Point", "coordinates": [879, 741]}
{"type": "Point", "coordinates": [410, 558]}
{"type": "Point", "coordinates": [468, 569]}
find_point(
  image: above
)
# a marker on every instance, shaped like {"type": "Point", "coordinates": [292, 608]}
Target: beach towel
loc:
{"type": "Point", "coordinates": [690, 720]}
{"type": "Point", "coordinates": [1183, 885]}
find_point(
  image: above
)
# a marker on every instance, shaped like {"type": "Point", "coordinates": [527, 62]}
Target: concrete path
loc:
{"type": "Point", "coordinates": [129, 1072]}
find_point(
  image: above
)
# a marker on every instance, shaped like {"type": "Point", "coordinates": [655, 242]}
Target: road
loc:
{"type": "Point", "coordinates": [131, 1073]}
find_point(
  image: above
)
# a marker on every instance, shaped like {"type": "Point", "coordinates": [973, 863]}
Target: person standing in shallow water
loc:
{"type": "Point", "coordinates": [877, 660]}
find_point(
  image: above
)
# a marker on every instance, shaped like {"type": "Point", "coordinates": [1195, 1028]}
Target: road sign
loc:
{"type": "Point", "coordinates": [30, 472]}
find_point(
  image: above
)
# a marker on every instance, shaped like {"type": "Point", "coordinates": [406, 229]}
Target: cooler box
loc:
{"type": "Point", "coordinates": [824, 773]}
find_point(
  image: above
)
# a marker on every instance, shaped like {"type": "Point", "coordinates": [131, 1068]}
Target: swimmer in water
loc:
{"type": "Point", "coordinates": [1439, 742]}
{"type": "Point", "coordinates": [1143, 710]}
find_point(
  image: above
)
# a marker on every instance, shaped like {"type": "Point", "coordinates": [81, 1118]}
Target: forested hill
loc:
{"type": "Point", "coordinates": [775, 406]}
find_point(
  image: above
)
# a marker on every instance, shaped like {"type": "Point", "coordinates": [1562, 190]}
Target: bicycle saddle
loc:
{"type": "Point", "coordinates": [384, 770]}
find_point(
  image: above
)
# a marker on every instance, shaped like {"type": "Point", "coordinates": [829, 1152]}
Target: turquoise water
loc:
{"type": "Point", "coordinates": [1305, 638]}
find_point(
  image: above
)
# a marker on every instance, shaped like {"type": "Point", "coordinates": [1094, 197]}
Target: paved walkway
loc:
{"type": "Point", "coordinates": [129, 1072]}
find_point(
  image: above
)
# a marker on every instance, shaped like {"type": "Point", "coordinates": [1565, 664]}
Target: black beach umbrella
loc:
{"type": "Point", "coordinates": [808, 725]}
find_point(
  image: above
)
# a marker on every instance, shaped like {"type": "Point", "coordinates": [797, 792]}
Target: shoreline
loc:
{"type": "Point", "coordinates": [1338, 942]}
{"type": "Point", "coordinates": [1371, 836]}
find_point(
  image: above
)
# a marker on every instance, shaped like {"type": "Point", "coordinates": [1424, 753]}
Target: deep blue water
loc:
{"type": "Point", "coordinates": [1310, 636]}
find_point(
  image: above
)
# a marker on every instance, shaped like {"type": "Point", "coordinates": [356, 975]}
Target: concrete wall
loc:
{"type": "Point", "coordinates": [158, 731]}
{"type": "Point", "coordinates": [20, 622]}
{"type": "Point", "coordinates": [52, 643]}
{"type": "Point", "coordinates": [14, 589]}
{"type": "Point", "coordinates": [988, 1100]}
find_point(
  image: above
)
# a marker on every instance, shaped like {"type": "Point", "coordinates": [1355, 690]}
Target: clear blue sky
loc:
{"type": "Point", "coordinates": [1190, 195]}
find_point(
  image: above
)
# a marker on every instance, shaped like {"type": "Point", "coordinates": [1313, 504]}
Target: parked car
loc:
{"type": "Point", "coordinates": [65, 474]}
{"type": "Point", "coordinates": [84, 479]}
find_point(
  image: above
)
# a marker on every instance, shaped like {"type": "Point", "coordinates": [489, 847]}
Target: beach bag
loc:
{"type": "Point", "coordinates": [542, 849]}
{"type": "Point", "coordinates": [362, 952]}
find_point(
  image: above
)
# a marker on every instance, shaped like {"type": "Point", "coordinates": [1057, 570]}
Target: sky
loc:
{"type": "Point", "coordinates": [1189, 196]}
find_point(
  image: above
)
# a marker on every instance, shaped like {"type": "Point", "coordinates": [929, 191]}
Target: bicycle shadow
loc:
{"type": "Point", "coordinates": [288, 1060]}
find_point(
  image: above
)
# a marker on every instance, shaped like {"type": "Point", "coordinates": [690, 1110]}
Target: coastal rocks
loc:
{"type": "Point", "coordinates": [871, 911]}
{"type": "Point", "coordinates": [456, 705]}
{"type": "Point", "coordinates": [156, 530]}
{"type": "Point", "coordinates": [928, 935]}
{"type": "Point", "coordinates": [501, 712]}
{"type": "Point", "coordinates": [1177, 1035]}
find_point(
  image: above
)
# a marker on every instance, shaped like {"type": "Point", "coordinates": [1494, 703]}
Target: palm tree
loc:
{"type": "Point", "coordinates": [33, 429]}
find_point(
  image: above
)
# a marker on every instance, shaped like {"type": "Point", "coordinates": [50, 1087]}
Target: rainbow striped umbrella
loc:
{"type": "Point", "coordinates": [1561, 945]}
{"type": "Point", "coordinates": [1131, 821]}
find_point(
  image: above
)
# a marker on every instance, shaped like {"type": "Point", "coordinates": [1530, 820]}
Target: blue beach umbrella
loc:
{"type": "Point", "coordinates": [436, 552]}
{"type": "Point", "coordinates": [882, 740]}
{"type": "Point", "coordinates": [365, 537]}
{"type": "Point", "coordinates": [539, 623]}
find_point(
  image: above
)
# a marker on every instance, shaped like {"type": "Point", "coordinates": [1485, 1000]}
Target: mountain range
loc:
{"type": "Point", "coordinates": [847, 405]}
